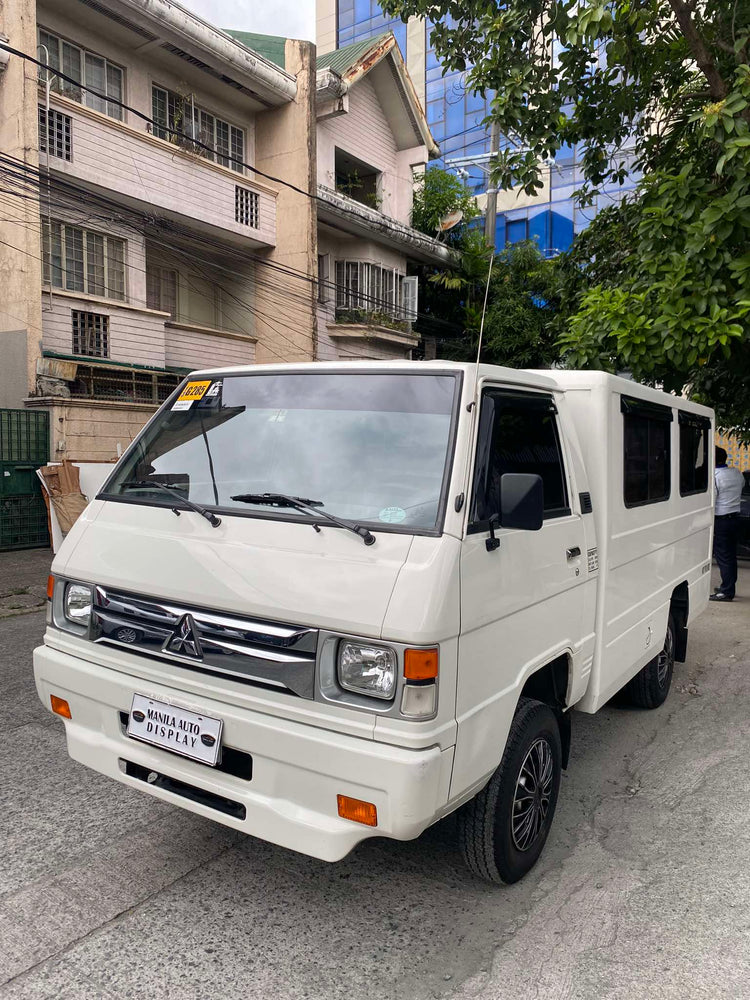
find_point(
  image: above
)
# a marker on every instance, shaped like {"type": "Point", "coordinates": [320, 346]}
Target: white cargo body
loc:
{"type": "Point", "coordinates": [319, 603]}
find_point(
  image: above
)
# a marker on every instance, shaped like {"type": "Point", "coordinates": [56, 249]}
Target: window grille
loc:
{"type": "Point", "coordinates": [90, 334]}
{"type": "Point", "coordinates": [55, 133]}
{"type": "Point", "coordinates": [246, 207]}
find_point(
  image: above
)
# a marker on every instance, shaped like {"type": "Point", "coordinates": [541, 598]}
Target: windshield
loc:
{"type": "Point", "coordinates": [365, 447]}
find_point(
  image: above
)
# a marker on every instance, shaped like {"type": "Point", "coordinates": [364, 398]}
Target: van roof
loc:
{"type": "Point", "coordinates": [550, 378]}
{"type": "Point", "coordinates": [527, 377]}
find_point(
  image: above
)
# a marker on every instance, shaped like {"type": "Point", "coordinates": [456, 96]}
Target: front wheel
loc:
{"type": "Point", "coordinates": [503, 829]}
{"type": "Point", "coordinates": [650, 686]}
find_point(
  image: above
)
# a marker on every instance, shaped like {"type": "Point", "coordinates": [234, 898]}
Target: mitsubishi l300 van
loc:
{"type": "Point", "coordinates": [324, 602]}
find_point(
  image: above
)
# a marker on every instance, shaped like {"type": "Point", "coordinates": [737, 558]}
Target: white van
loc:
{"type": "Point", "coordinates": [326, 602]}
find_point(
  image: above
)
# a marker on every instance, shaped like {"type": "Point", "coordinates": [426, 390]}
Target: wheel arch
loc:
{"type": "Point", "coordinates": [549, 685]}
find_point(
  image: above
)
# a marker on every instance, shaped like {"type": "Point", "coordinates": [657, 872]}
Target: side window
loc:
{"type": "Point", "coordinates": [517, 433]}
{"type": "Point", "coordinates": [646, 450]}
{"type": "Point", "coordinates": [694, 433]}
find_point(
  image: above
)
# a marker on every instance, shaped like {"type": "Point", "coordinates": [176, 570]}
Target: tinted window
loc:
{"type": "Point", "coordinates": [693, 455]}
{"type": "Point", "coordinates": [646, 434]}
{"type": "Point", "coordinates": [518, 433]}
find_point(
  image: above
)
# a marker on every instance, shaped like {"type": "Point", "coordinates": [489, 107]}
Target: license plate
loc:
{"type": "Point", "coordinates": [175, 729]}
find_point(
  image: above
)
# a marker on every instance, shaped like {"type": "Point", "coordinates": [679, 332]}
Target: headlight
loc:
{"type": "Point", "coordinates": [78, 600]}
{"type": "Point", "coordinates": [366, 669]}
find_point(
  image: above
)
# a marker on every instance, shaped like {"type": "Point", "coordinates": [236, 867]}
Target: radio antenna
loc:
{"type": "Point", "coordinates": [484, 313]}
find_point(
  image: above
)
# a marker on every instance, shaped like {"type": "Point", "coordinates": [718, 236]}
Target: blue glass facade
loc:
{"type": "Point", "coordinates": [455, 115]}
{"type": "Point", "coordinates": [358, 19]}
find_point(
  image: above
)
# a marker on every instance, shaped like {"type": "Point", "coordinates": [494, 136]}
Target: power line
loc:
{"type": "Point", "coordinates": [27, 174]}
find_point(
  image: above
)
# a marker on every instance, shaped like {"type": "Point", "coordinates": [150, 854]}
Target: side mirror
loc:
{"type": "Point", "coordinates": [521, 501]}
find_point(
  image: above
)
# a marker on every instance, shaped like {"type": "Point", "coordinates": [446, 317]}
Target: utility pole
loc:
{"type": "Point", "coordinates": [490, 213]}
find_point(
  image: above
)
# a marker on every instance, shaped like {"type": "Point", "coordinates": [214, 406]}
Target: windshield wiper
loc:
{"type": "Point", "coordinates": [306, 506]}
{"type": "Point", "coordinates": [212, 519]}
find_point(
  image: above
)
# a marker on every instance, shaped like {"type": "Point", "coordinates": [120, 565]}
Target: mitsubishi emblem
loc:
{"type": "Point", "coordinates": [184, 640]}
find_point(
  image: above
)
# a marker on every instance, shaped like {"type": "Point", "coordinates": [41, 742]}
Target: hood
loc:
{"type": "Point", "coordinates": [279, 570]}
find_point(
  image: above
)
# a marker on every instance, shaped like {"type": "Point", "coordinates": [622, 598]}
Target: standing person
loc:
{"type": "Point", "coordinates": [729, 482]}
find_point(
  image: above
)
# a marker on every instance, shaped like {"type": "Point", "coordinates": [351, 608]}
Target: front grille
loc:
{"type": "Point", "coordinates": [253, 651]}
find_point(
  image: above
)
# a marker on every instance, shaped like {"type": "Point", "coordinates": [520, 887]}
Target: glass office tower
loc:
{"type": "Point", "coordinates": [455, 116]}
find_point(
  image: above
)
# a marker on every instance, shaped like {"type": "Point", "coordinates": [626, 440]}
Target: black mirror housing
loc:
{"type": "Point", "coordinates": [521, 501]}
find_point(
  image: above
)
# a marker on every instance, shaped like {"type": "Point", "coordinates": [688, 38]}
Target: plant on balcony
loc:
{"type": "Point", "coordinates": [367, 317]}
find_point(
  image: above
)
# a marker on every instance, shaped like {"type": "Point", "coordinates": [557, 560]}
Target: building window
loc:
{"type": "Point", "coordinates": [694, 436]}
{"type": "Point", "coordinates": [88, 70]}
{"type": "Point", "coordinates": [365, 287]}
{"type": "Point", "coordinates": [181, 121]}
{"type": "Point", "coordinates": [90, 334]}
{"type": "Point", "coordinates": [161, 289]}
{"type": "Point", "coordinates": [324, 274]}
{"type": "Point", "coordinates": [79, 260]}
{"type": "Point", "coordinates": [646, 451]}
{"type": "Point", "coordinates": [246, 207]}
{"type": "Point", "coordinates": [55, 137]}
{"type": "Point", "coordinates": [518, 433]}
{"type": "Point", "coordinates": [357, 180]}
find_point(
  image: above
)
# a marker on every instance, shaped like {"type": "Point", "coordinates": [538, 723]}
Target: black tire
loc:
{"type": "Point", "coordinates": [650, 686]}
{"type": "Point", "coordinates": [493, 847]}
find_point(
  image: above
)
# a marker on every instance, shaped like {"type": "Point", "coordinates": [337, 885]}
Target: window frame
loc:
{"type": "Point", "coordinates": [703, 424]}
{"type": "Point", "coordinates": [109, 260]}
{"type": "Point", "coordinates": [389, 280]}
{"type": "Point", "coordinates": [80, 93]}
{"type": "Point", "coordinates": [656, 413]}
{"type": "Point", "coordinates": [198, 115]}
{"type": "Point", "coordinates": [533, 399]}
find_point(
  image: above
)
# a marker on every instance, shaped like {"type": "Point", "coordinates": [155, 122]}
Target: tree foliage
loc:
{"type": "Point", "coordinates": [658, 86]}
{"type": "Point", "coordinates": [522, 302]}
{"type": "Point", "coordinates": [437, 193]}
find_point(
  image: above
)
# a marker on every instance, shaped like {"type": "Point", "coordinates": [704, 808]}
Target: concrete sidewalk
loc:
{"type": "Point", "coordinates": [23, 580]}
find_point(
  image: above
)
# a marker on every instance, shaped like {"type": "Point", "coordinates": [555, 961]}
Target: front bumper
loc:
{"type": "Point", "coordinates": [298, 770]}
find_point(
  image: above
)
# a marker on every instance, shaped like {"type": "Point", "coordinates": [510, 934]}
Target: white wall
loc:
{"type": "Point", "coordinates": [364, 132]}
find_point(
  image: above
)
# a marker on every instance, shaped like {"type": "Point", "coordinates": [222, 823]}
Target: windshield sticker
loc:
{"type": "Point", "coordinates": [214, 390]}
{"type": "Point", "coordinates": [192, 392]}
{"type": "Point", "coordinates": [392, 515]}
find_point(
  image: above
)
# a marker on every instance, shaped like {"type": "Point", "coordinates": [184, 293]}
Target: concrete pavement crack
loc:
{"type": "Point", "coordinates": [118, 918]}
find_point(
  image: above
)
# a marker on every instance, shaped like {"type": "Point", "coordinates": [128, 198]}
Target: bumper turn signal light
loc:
{"type": "Point", "coordinates": [357, 810]}
{"type": "Point", "coordinates": [60, 706]}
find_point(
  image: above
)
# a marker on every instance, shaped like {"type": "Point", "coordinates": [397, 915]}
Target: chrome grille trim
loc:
{"type": "Point", "coordinates": [247, 649]}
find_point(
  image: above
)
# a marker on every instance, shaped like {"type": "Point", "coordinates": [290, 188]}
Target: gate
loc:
{"type": "Point", "coordinates": [24, 446]}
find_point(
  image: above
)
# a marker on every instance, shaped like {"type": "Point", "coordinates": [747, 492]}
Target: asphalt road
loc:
{"type": "Point", "coordinates": [643, 890]}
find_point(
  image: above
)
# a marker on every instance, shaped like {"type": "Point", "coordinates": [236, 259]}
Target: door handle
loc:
{"type": "Point", "coordinates": [572, 553]}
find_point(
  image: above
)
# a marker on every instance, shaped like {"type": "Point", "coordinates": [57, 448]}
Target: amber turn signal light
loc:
{"type": "Point", "coordinates": [50, 587]}
{"type": "Point", "coordinates": [420, 664]}
{"type": "Point", "coordinates": [357, 810]}
{"type": "Point", "coordinates": [60, 706]}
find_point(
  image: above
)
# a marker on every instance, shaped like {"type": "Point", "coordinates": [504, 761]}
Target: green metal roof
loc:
{"type": "Point", "coordinates": [341, 60]}
{"type": "Point", "coordinates": [271, 47]}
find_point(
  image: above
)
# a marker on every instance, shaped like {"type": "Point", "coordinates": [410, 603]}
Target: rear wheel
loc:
{"type": "Point", "coordinates": [650, 686]}
{"type": "Point", "coordinates": [503, 829]}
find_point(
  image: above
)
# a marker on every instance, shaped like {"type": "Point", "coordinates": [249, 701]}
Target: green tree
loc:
{"type": "Point", "coordinates": [437, 194]}
{"type": "Point", "coordinates": [659, 86]}
{"type": "Point", "coordinates": [522, 302]}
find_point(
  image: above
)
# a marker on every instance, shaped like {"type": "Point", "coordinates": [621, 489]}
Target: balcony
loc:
{"type": "Point", "coordinates": [112, 158]}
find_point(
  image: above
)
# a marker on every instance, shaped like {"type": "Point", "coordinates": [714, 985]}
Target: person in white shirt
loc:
{"type": "Point", "coordinates": [729, 482]}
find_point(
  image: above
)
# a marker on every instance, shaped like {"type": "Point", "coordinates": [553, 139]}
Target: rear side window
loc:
{"type": "Point", "coordinates": [694, 436]}
{"type": "Point", "coordinates": [646, 450]}
{"type": "Point", "coordinates": [518, 433]}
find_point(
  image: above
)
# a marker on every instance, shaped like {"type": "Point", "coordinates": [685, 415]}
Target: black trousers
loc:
{"type": "Point", "coordinates": [726, 533]}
